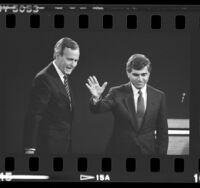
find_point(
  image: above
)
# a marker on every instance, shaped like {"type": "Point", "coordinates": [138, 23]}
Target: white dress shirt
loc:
{"type": "Point", "coordinates": [136, 95]}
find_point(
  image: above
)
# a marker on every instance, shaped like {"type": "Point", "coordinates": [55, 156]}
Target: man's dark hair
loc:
{"type": "Point", "coordinates": [64, 43]}
{"type": "Point", "coordinates": [138, 62]}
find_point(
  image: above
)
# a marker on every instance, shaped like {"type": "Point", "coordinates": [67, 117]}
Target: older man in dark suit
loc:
{"type": "Point", "coordinates": [139, 111]}
{"type": "Point", "coordinates": [50, 113]}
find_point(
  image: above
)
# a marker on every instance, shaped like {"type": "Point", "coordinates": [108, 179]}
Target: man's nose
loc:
{"type": "Point", "coordinates": [74, 62]}
{"type": "Point", "coordinates": [139, 77]}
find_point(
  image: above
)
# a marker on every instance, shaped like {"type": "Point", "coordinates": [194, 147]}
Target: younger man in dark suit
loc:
{"type": "Point", "coordinates": [138, 109]}
{"type": "Point", "coordinates": [50, 113]}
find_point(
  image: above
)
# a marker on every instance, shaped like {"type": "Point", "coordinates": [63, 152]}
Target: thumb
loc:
{"type": "Point", "coordinates": [104, 85]}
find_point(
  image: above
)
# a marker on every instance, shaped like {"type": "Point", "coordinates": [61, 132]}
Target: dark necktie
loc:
{"type": "Point", "coordinates": [140, 108]}
{"type": "Point", "coordinates": [66, 84]}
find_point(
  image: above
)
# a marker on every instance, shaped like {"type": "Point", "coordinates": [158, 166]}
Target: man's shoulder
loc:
{"type": "Point", "coordinates": [44, 72]}
{"type": "Point", "coordinates": [155, 90]}
{"type": "Point", "coordinates": [121, 88]}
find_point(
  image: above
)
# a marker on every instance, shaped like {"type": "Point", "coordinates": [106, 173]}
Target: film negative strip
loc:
{"type": "Point", "coordinates": [105, 93]}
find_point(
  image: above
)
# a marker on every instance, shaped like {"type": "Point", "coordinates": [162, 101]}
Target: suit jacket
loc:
{"type": "Point", "coordinates": [127, 137]}
{"type": "Point", "coordinates": [48, 121]}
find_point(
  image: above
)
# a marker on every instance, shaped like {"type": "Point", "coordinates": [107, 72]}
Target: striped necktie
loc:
{"type": "Point", "coordinates": [66, 84]}
{"type": "Point", "coordinates": [140, 108]}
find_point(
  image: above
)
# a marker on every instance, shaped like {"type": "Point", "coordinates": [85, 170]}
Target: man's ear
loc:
{"type": "Point", "coordinates": [127, 74]}
{"type": "Point", "coordinates": [57, 55]}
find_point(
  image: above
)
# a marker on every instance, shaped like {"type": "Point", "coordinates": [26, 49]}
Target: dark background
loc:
{"type": "Point", "coordinates": [104, 54]}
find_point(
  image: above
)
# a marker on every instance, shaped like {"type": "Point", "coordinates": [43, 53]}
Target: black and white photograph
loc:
{"type": "Point", "coordinates": [104, 73]}
{"type": "Point", "coordinates": [97, 91]}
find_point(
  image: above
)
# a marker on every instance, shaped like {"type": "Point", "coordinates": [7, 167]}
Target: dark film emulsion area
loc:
{"type": "Point", "coordinates": [103, 54]}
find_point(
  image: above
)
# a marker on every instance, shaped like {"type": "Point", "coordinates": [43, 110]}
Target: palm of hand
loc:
{"type": "Point", "coordinates": [94, 87]}
{"type": "Point", "coordinates": [96, 90]}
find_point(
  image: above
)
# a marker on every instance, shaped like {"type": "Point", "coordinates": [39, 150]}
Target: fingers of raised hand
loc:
{"type": "Point", "coordinates": [90, 81]}
{"type": "Point", "coordinates": [95, 80]}
{"type": "Point", "coordinates": [88, 86]}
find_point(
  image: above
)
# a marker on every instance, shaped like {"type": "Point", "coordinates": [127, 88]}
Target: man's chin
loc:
{"type": "Point", "coordinates": [139, 86]}
{"type": "Point", "coordinates": [68, 71]}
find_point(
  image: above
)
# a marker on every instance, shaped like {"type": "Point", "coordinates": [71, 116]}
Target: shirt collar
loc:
{"type": "Point", "coordinates": [135, 90]}
{"type": "Point", "coordinates": [58, 70]}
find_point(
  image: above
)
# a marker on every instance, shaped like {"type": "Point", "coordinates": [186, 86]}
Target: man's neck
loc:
{"type": "Point", "coordinates": [135, 90]}
{"type": "Point", "coordinates": [57, 68]}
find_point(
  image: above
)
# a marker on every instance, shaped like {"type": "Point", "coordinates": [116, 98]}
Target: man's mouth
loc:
{"type": "Point", "coordinates": [69, 67]}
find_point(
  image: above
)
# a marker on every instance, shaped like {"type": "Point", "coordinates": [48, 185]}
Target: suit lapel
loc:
{"type": "Point", "coordinates": [72, 96]}
{"type": "Point", "coordinates": [58, 81]}
{"type": "Point", "coordinates": [151, 99]}
{"type": "Point", "coordinates": [130, 105]}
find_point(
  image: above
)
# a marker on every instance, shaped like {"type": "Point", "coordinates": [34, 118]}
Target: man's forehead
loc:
{"type": "Point", "coordinates": [142, 71]}
{"type": "Point", "coordinates": [71, 51]}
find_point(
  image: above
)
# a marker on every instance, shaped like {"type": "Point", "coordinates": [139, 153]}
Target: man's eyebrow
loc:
{"type": "Point", "coordinates": [71, 58]}
{"type": "Point", "coordinates": [139, 74]}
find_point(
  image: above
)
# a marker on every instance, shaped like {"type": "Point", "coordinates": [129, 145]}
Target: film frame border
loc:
{"type": "Point", "coordinates": [181, 24]}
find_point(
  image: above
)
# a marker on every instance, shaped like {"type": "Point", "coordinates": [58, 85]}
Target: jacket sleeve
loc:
{"type": "Point", "coordinates": [38, 101]}
{"type": "Point", "coordinates": [162, 129]}
{"type": "Point", "coordinates": [104, 104]}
